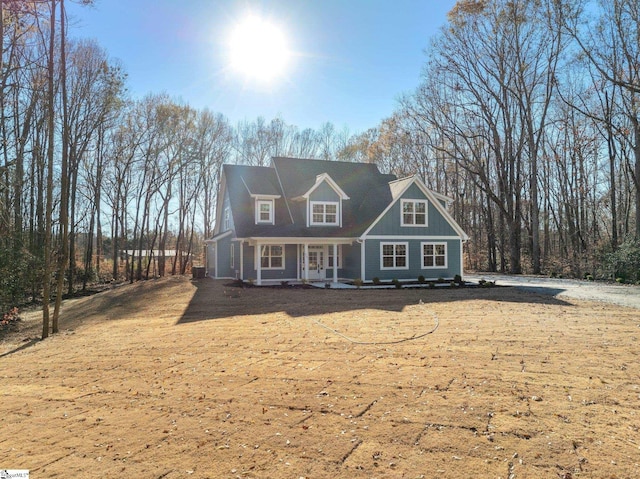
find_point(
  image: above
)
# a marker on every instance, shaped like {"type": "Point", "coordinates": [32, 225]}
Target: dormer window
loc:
{"type": "Point", "coordinates": [264, 211]}
{"type": "Point", "coordinates": [324, 213]}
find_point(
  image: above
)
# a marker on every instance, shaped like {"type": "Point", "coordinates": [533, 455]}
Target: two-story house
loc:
{"type": "Point", "coordinates": [313, 220]}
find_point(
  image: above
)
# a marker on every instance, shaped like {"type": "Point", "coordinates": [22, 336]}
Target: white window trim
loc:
{"type": "Point", "coordinates": [394, 244]}
{"type": "Point", "coordinates": [426, 213]}
{"type": "Point", "coordinates": [325, 204]}
{"type": "Point", "coordinates": [434, 244]}
{"type": "Point", "coordinates": [330, 255]}
{"type": "Point", "coordinates": [260, 202]}
{"type": "Point", "coordinates": [263, 268]}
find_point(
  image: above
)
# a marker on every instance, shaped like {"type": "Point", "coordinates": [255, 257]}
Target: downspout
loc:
{"type": "Point", "coordinates": [215, 260]}
{"type": "Point", "coordinates": [462, 242]}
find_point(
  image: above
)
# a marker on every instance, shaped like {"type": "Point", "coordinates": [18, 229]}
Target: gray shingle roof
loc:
{"type": "Point", "coordinates": [367, 188]}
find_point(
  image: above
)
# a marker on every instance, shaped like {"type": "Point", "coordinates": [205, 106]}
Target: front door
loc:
{"type": "Point", "coordinates": [316, 263]}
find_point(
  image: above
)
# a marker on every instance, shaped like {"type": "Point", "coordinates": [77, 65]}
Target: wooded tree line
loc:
{"type": "Point", "coordinates": [527, 115]}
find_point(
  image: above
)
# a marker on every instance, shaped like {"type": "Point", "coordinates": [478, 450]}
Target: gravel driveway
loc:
{"type": "Point", "coordinates": [620, 294]}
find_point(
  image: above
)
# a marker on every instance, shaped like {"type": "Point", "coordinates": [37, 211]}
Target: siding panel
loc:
{"type": "Point", "coordinates": [391, 223]}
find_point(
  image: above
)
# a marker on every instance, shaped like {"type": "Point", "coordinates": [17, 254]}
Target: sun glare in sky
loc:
{"type": "Point", "coordinates": [258, 50]}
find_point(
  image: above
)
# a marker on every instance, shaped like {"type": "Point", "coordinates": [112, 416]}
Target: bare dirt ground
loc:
{"type": "Point", "coordinates": [177, 378]}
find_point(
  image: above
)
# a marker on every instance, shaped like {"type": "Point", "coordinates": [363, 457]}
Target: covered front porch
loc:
{"type": "Point", "coordinates": [313, 260]}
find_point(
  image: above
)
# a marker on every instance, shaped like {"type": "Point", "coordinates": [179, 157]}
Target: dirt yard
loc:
{"type": "Point", "coordinates": [177, 378]}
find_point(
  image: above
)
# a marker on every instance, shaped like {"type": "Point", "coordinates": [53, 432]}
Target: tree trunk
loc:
{"type": "Point", "coordinates": [48, 232]}
{"type": "Point", "coordinates": [64, 172]}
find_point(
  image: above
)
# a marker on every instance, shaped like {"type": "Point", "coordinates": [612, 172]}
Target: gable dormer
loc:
{"type": "Point", "coordinates": [324, 202]}
{"type": "Point", "coordinates": [264, 209]}
{"type": "Point", "coordinates": [264, 195]}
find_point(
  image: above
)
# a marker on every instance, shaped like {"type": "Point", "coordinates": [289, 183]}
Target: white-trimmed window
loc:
{"type": "Point", "coordinates": [414, 212]}
{"type": "Point", "coordinates": [394, 255]}
{"type": "Point", "coordinates": [226, 221]}
{"type": "Point", "coordinates": [434, 255]}
{"type": "Point", "coordinates": [330, 261]}
{"type": "Point", "coordinates": [324, 212]}
{"type": "Point", "coordinates": [264, 211]}
{"type": "Point", "coordinates": [272, 257]}
{"type": "Point", "coordinates": [232, 256]}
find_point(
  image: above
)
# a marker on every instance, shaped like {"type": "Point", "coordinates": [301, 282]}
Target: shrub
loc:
{"type": "Point", "coordinates": [432, 284]}
{"type": "Point", "coordinates": [358, 282]}
{"type": "Point", "coordinates": [376, 280]}
{"type": "Point", "coordinates": [624, 262]}
{"type": "Point", "coordinates": [396, 283]}
{"type": "Point", "coordinates": [421, 279]}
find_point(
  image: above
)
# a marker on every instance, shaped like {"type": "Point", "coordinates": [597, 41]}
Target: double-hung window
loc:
{"type": "Point", "coordinates": [324, 213]}
{"type": "Point", "coordinates": [264, 211]}
{"type": "Point", "coordinates": [434, 255]}
{"type": "Point", "coordinates": [394, 256]}
{"type": "Point", "coordinates": [330, 259]}
{"type": "Point", "coordinates": [414, 213]}
{"type": "Point", "coordinates": [272, 257]}
{"type": "Point", "coordinates": [226, 221]}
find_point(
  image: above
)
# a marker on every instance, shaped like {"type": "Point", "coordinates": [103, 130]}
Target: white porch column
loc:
{"type": "Point", "coordinates": [258, 265]}
{"type": "Point", "coordinates": [335, 263]}
{"type": "Point", "coordinates": [363, 258]}
{"type": "Point", "coordinates": [306, 262]}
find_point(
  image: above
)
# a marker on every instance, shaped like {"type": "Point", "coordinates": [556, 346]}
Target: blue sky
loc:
{"type": "Point", "coordinates": [351, 58]}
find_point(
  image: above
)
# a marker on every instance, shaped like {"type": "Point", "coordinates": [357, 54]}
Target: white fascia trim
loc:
{"type": "Point", "coordinates": [298, 240]}
{"type": "Point", "coordinates": [325, 177]}
{"type": "Point", "coordinates": [265, 197]}
{"type": "Point", "coordinates": [416, 237]}
{"type": "Point", "coordinates": [440, 196]}
{"type": "Point", "coordinates": [215, 239]}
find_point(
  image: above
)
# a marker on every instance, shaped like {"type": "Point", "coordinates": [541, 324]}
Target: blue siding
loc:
{"type": "Point", "coordinates": [350, 261]}
{"type": "Point", "coordinates": [324, 192]}
{"type": "Point", "coordinates": [288, 273]}
{"type": "Point", "coordinates": [391, 222]}
{"type": "Point", "coordinates": [224, 258]}
{"type": "Point", "coordinates": [372, 266]}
